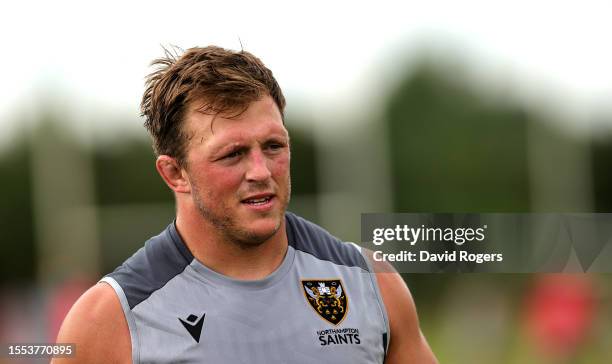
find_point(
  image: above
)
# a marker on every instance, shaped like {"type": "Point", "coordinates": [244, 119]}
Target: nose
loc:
{"type": "Point", "coordinates": [257, 169]}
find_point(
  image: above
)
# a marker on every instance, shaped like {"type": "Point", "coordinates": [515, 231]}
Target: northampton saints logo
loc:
{"type": "Point", "coordinates": [327, 297]}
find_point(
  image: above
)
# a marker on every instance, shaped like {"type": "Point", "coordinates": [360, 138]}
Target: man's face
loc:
{"type": "Point", "coordinates": [239, 171]}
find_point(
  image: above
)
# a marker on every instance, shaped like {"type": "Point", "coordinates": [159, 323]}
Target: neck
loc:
{"type": "Point", "coordinates": [211, 248]}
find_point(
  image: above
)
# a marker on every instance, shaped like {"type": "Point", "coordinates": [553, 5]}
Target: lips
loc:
{"type": "Point", "coordinates": [258, 200]}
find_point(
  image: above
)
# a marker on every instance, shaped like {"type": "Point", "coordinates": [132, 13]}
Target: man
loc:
{"type": "Point", "coordinates": [235, 278]}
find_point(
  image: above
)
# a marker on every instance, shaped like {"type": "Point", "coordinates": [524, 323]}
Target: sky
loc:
{"type": "Point", "coordinates": [91, 58]}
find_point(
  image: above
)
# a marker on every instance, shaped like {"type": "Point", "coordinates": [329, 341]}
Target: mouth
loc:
{"type": "Point", "coordinates": [258, 200]}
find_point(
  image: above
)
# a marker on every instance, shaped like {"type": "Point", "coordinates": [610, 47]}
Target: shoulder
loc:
{"type": "Point", "coordinates": [163, 257]}
{"type": "Point", "coordinates": [310, 238]}
{"type": "Point", "coordinates": [406, 340]}
{"type": "Point", "coordinates": [97, 325]}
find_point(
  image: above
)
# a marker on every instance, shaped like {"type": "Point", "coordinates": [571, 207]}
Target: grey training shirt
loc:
{"type": "Point", "coordinates": [321, 305]}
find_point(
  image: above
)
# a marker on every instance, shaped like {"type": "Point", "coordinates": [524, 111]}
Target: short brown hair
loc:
{"type": "Point", "coordinates": [225, 81]}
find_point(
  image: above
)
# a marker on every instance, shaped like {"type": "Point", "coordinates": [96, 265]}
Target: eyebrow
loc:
{"type": "Point", "coordinates": [238, 144]}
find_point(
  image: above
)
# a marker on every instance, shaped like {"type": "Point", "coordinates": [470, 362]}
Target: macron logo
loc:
{"type": "Point", "coordinates": [194, 326]}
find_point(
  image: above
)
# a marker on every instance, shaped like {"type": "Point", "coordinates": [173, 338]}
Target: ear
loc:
{"type": "Point", "coordinates": [173, 174]}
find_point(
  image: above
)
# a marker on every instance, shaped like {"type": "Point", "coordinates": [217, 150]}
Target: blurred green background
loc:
{"type": "Point", "coordinates": [433, 138]}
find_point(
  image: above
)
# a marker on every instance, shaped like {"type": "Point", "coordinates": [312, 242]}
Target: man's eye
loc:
{"type": "Point", "coordinates": [233, 154]}
{"type": "Point", "coordinates": [275, 146]}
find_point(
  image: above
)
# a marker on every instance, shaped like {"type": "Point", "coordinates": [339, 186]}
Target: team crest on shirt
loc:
{"type": "Point", "coordinates": [327, 297]}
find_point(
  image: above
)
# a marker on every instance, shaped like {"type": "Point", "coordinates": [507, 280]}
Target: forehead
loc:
{"type": "Point", "coordinates": [262, 117]}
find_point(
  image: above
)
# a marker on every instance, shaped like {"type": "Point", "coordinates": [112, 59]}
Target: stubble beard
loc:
{"type": "Point", "coordinates": [225, 223]}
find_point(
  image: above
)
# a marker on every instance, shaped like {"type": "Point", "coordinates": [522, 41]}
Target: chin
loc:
{"type": "Point", "coordinates": [248, 238]}
{"type": "Point", "coordinates": [264, 228]}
